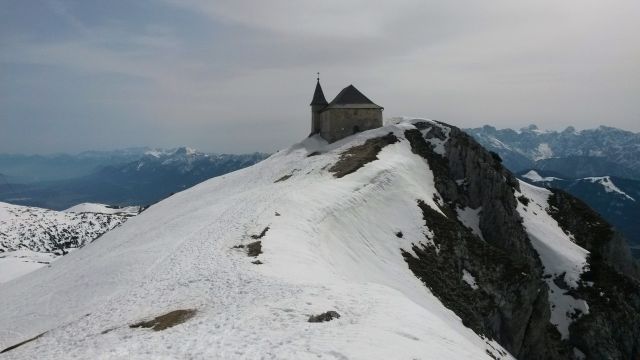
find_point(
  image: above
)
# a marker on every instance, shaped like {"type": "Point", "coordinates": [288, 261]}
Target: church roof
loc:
{"type": "Point", "coordinates": [351, 96]}
{"type": "Point", "coordinates": [318, 96]}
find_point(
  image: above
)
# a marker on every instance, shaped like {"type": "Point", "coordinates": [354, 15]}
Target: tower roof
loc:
{"type": "Point", "coordinates": [351, 96]}
{"type": "Point", "coordinates": [318, 96]}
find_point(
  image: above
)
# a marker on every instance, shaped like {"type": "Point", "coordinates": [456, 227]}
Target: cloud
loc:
{"type": "Point", "coordinates": [204, 72]}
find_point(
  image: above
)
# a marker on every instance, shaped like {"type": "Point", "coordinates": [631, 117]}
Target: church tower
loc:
{"type": "Point", "coordinates": [318, 103]}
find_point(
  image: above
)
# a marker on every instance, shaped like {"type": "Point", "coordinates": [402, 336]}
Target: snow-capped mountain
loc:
{"type": "Point", "coordinates": [593, 152]}
{"type": "Point", "coordinates": [616, 199]}
{"type": "Point", "coordinates": [185, 160]}
{"type": "Point", "coordinates": [154, 175]}
{"type": "Point", "coordinates": [407, 241]}
{"type": "Point", "coordinates": [33, 237]}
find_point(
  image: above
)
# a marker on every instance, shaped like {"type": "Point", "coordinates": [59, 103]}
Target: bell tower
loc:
{"type": "Point", "coordinates": [317, 104]}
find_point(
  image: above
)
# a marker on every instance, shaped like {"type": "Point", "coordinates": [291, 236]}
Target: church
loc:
{"type": "Point", "coordinates": [350, 112]}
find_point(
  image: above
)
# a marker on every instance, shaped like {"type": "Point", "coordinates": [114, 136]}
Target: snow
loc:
{"type": "Point", "coordinates": [31, 237]}
{"type": "Point", "coordinates": [332, 247]}
{"type": "Point", "coordinates": [438, 144]}
{"type": "Point", "coordinates": [543, 151]}
{"type": "Point", "coordinates": [560, 256]}
{"type": "Point", "coordinates": [498, 144]}
{"type": "Point", "coordinates": [533, 175]}
{"type": "Point", "coordinates": [471, 218]}
{"type": "Point", "coordinates": [155, 153]}
{"type": "Point", "coordinates": [102, 209]}
{"type": "Point", "coordinates": [608, 185]}
{"type": "Point", "coordinates": [14, 264]}
{"type": "Point", "coordinates": [469, 279]}
{"type": "Point", "coordinates": [579, 355]}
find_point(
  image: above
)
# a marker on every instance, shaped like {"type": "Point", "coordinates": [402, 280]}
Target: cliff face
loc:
{"type": "Point", "coordinates": [610, 286]}
{"type": "Point", "coordinates": [529, 306]}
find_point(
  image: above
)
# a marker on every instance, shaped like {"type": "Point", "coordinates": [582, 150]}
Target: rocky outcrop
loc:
{"type": "Point", "coordinates": [494, 280]}
{"type": "Point", "coordinates": [610, 286]}
{"type": "Point", "coordinates": [592, 233]}
{"type": "Point", "coordinates": [510, 303]}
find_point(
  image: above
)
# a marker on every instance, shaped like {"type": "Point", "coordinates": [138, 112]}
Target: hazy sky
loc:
{"type": "Point", "coordinates": [238, 76]}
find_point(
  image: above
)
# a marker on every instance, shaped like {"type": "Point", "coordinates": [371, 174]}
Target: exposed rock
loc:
{"type": "Point", "coordinates": [261, 235]}
{"type": "Point", "coordinates": [511, 304]}
{"type": "Point", "coordinates": [167, 320]}
{"type": "Point", "coordinates": [592, 233]}
{"type": "Point", "coordinates": [611, 329]}
{"type": "Point", "coordinates": [254, 249]}
{"type": "Point", "coordinates": [325, 316]}
{"type": "Point", "coordinates": [285, 177]}
{"type": "Point", "coordinates": [21, 343]}
{"type": "Point", "coordinates": [356, 157]}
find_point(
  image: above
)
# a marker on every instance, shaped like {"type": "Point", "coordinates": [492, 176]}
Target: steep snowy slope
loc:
{"type": "Point", "coordinates": [616, 199]}
{"type": "Point", "coordinates": [411, 233]}
{"type": "Point", "coordinates": [331, 244]}
{"type": "Point", "coordinates": [32, 237]}
{"type": "Point", "coordinates": [103, 209]}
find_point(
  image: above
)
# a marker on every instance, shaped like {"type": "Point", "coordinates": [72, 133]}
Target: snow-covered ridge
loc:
{"type": "Point", "coordinates": [103, 209]}
{"type": "Point", "coordinates": [607, 183]}
{"type": "Point", "coordinates": [609, 186]}
{"type": "Point", "coordinates": [327, 244]}
{"type": "Point", "coordinates": [535, 177]}
{"type": "Point", "coordinates": [32, 237]}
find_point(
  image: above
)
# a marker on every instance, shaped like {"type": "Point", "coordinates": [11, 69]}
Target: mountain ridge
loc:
{"type": "Point", "coordinates": [418, 238]}
{"type": "Point", "coordinates": [153, 175]}
{"type": "Point", "coordinates": [523, 149]}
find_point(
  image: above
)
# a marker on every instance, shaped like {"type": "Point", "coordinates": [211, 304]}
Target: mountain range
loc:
{"type": "Point", "coordinates": [123, 178]}
{"type": "Point", "coordinates": [604, 151]}
{"type": "Point", "coordinates": [406, 241]}
{"type": "Point", "coordinates": [599, 166]}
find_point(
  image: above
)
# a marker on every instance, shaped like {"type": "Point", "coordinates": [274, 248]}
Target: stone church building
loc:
{"type": "Point", "coordinates": [350, 112]}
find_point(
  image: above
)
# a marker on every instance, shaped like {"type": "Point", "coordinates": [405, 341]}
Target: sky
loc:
{"type": "Point", "coordinates": [237, 76]}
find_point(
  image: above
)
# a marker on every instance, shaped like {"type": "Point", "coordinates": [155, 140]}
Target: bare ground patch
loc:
{"type": "Point", "coordinates": [325, 316]}
{"type": "Point", "coordinates": [261, 235]}
{"type": "Point", "coordinates": [356, 157]}
{"type": "Point", "coordinates": [167, 320]}
{"type": "Point", "coordinates": [254, 249]}
{"type": "Point", "coordinates": [284, 178]}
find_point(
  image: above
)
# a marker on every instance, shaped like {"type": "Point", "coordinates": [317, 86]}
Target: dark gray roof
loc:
{"type": "Point", "coordinates": [318, 96]}
{"type": "Point", "coordinates": [351, 95]}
